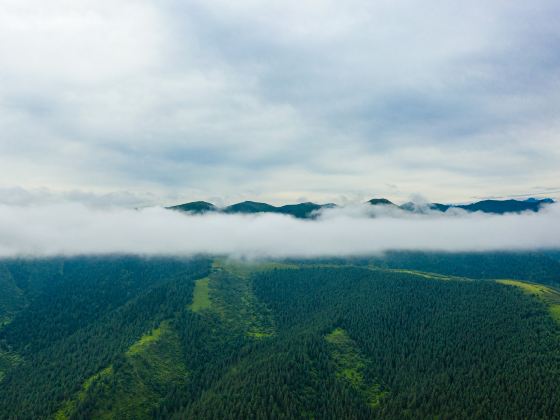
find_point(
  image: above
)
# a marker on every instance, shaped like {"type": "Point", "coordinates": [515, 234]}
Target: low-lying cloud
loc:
{"type": "Point", "coordinates": [74, 229]}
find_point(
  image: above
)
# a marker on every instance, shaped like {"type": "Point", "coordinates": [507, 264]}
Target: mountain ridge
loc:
{"type": "Point", "coordinates": [308, 210]}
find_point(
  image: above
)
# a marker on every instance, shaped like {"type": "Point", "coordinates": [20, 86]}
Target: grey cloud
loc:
{"type": "Point", "coordinates": [276, 98]}
{"type": "Point", "coordinates": [22, 197]}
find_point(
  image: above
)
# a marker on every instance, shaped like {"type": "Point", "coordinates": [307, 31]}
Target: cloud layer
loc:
{"type": "Point", "coordinates": [73, 229]}
{"type": "Point", "coordinates": [280, 100]}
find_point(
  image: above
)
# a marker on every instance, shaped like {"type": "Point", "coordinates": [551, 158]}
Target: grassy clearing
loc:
{"type": "Point", "coordinates": [145, 341]}
{"type": "Point", "coordinates": [259, 334]}
{"type": "Point", "coordinates": [136, 385]}
{"type": "Point", "coordinates": [350, 366]}
{"type": "Point", "coordinates": [549, 296]}
{"type": "Point", "coordinates": [350, 363]}
{"type": "Point", "coordinates": [201, 295]}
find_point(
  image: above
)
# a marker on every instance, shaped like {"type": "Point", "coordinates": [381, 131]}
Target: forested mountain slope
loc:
{"type": "Point", "coordinates": [165, 338]}
{"type": "Point", "coordinates": [540, 267]}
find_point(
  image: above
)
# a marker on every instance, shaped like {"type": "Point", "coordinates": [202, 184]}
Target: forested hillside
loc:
{"type": "Point", "coordinates": [540, 267]}
{"type": "Point", "coordinates": [140, 338]}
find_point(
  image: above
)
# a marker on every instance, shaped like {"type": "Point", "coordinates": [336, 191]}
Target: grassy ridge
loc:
{"type": "Point", "coordinates": [69, 407]}
{"type": "Point", "coordinates": [549, 296]}
{"type": "Point", "coordinates": [430, 276]}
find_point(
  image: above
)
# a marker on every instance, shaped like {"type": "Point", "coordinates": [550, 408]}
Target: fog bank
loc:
{"type": "Point", "coordinates": [73, 229]}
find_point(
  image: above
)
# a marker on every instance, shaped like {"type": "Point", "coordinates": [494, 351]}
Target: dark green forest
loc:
{"type": "Point", "coordinates": [406, 335]}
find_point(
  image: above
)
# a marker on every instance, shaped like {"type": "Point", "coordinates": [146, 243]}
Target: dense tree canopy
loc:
{"type": "Point", "coordinates": [127, 337]}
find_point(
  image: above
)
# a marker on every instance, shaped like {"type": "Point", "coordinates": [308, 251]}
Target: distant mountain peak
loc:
{"type": "Point", "coordinates": [546, 200]}
{"type": "Point", "coordinates": [250, 207]}
{"type": "Point", "coordinates": [381, 201]}
{"type": "Point", "coordinates": [196, 207]}
{"type": "Point", "coordinates": [309, 210]}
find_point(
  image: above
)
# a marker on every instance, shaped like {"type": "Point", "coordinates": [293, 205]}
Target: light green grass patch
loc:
{"type": "Point", "coordinates": [150, 368]}
{"type": "Point", "coordinates": [350, 363]}
{"type": "Point", "coordinates": [259, 334]}
{"type": "Point", "coordinates": [555, 312]}
{"type": "Point", "coordinates": [536, 289]}
{"type": "Point", "coordinates": [548, 295]}
{"type": "Point", "coordinates": [350, 366]}
{"type": "Point", "coordinates": [70, 406]}
{"type": "Point", "coordinates": [145, 341]}
{"type": "Point", "coordinates": [426, 275]}
{"type": "Point", "coordinates": [201, 295]}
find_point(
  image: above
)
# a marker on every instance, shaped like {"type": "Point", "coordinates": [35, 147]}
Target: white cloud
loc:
{"type": "Point", "coordinates": [74, 229]}
{"type": "Point", "coordinates": [77, 43]}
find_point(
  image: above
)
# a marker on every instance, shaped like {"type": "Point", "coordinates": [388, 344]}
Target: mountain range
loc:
{"type": "Point", "coordinates": [309, 210]}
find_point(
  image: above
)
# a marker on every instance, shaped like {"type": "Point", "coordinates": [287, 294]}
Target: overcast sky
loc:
{"type": "Point", "coordinates": [145, 102]}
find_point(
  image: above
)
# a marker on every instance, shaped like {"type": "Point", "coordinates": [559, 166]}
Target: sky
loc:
{"type": "Point", "coordinates": [136, 102]}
